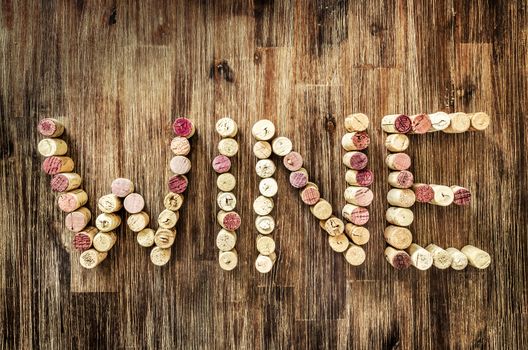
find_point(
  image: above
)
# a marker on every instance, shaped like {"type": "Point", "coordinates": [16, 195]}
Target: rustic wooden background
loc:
{"type": "Point", "coordinates": [118, 73]}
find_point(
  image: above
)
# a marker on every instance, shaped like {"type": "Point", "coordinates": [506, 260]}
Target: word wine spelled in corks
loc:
{"type": "Point", "coordinates": [95, 234]}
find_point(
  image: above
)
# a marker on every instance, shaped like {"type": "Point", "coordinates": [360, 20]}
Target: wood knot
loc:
{"type": "Point", "coordinates": [257, 58]}
{"type": "Point", "coordinates": [466, 91]}
{"type": "Point", "coordinates": [221, 70]}
{"type": "Point", "coordinates": [330, 122]}
{"type": "Point", "coordinates": [112, 19]}
{"type": "Point", "coordinates": [375, 29]}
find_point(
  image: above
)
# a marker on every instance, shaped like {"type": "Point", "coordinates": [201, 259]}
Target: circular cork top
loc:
{"type": "Point", "coordinates": [424, 193]}
{"type": "Point", "coordinates": [91, 258]}
{"type": "Point", "coordinates": [298, 179]}
{"type": "Point", "coordinates": [52, 147]}
{"type": "Point", "coordinates": [263, 205]}
{"type": "Point", "coordinates": [322, 209]}
{"type": "Point", "coordinates": [77, 220]}
{"type": "Point", "coordinates": [421, 123]}
{"type": "Point", "coordinates": [462, 196]}
{"type": "Point", "coordinates": [358, 215]}
{"type": "Point", "coordinates": [178, 183]}
{"type": "Point", "coordinates": [61, 182]}
{"type": "Point", "coordinates": [226, 240]}
{"type": "Point", "coordinates": [226, 182]}
{"type": "Point", "coordinates": [310, 195]}
{"type": "Point", "coordinates": [134, 203]}
{"type": "Point", "coordinates": [361, 196]}
{"type": "Point", "coordinates": [160, 256]}
{"type": "Point", "coordinates": [145, 237]}
{"type": "Point", "coordinates": [265, 245]}
{"type": "Point", "coordinates": [228, 147]}
{"type": "Point", "coordinates": [226, 127]}
{"type": "Point", "coordinates": [364, 177]}
{"type": "Point", "coordinates": [355, 255]}
{"type": "Point", "coordinates": [226, 201]}
{"type": "Point", "coordinates": [231, 221]}
{"type": "Point", "coordinates": [137, 222]}
{"type": "Point", "coordinates": [68, 202]}
{"type": "Point", "coordinates": [180, 165]}
{"type": "Point", "coordinates": [268, 187]}
{"type": "Point", "coordinates": [263, 130]}
{"type": "Point", "coordinates": [265, 168]}
{"type": "Point", "coordinates": [338, 243]}
{"type": "Point", "coordinates": [104, 241]}
{"type": "Point", "coordinates": [265, 224]}
{"type": "Point", "coordinates": [397, 142]}
{"type": "Point", "coordinates": [403, 124]}
{"type": "Point", "coordinates": [355, 160]}
{"type": "Point", "coordinates": [401, 261]}
{"type": "Point", "coordinates": [356, 122]}
{"type": "Point", "coordinates": [228, 260]}
{"type": "Point", "coordinates": [264, 263]}
{"type": "Point", "coordinates": [183, 127]}
{"type": "Point", "coordinates": [221, 164]}
{"type": "Point", "coordinates": [355, 141]}
{"type": "Point", "coordinates": [173, 201]}
{"type": "Point", "coordinates": [168, 218]}
{"type": "Point", "coordinates": [83, 239]}
{"type": "Point", "coordinates": [399, 161]}
{"type": "Point", "coordinates": [282, 146]}
{"type": "Point", "coordinates": [164, 237]}
{"type": "Point", "coordinates": [180, 146]}
{"type": "Point", "coordinates": [360, 235]}
{"type": "Point", "coordinates": [398, 237]}
{"type": "Point", "coordinates": [122, 187]}
{"type": "Point", "coordinates": [293, 161]}
{"type": "Point", "coordinates": [405, 179]}
{"type": "Point", "coordinates": [50, 127]}
{"type": "Point", "coordinates": [262, 149]}
{"type": "Point", "coordinates": [480, 121]}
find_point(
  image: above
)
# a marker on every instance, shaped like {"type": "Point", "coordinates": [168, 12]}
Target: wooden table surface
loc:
{"type": "Point", "coordinates": [117, 74]}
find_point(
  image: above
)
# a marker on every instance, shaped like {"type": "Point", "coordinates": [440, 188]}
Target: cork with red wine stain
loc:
{"type": "Point", "coordinates": [65, 182]}
{"type": "Point", "coordinates": [298, 179]}
{"type": "Point", "coordinates": [462, 195]}
{"type": "Point", "coordinates": [359, 178]}
{"type": "Point", "coordinates": [310, 195]}
{"type": "Point", "coordinates": [396, 123]}
{"type": "Point", "coordinates": [229, 220]}
{"type": "Point", "coordinates": [355, 141]}
{"type": "Point", "coordinates": [399, 259]}
{"type": "Point", "coordinates": [57, 164]}
{"type": "Point", "coordinates": [424, 193]}
{"type": "Point", "coordinates": [293, 161]}
{"type": "Point", "coordinates": [356, 215]}
{"type": "Point", "coordinates": [221, 164]}
{"type": "Point", "coordinates": [183, 127]}
{"type": "Point", "coordinates": [83, 240]}
{"type": "Point", "coordinates": [178, 183]}
{"type": "Point", "coordinates": [421, 123]}
{"type": "Point", "coordinates": [355, 160]}
{"type": "Point", "coordinates": [401, 179]}
{"type": "Point", "coordinates": [50, 127]}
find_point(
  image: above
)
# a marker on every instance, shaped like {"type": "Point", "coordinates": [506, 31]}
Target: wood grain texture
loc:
{"type": "Point", "coordinates": [118, 73]}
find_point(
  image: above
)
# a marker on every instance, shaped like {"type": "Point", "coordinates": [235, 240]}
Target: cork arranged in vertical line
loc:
{"type": "Point", "coordinates": [227, 217]}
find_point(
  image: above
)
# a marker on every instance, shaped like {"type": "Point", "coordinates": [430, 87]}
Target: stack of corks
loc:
{"type": "Point", "coordinates": [263, 131]}
{"type": "Point", "coordinates": [228, 219]}
{"type": "Point", "coordinates": [402, 252]}
{"type": "Point", "coordinates": [72, 198]}
{"type": "Point", "coordinates": [358, 178]}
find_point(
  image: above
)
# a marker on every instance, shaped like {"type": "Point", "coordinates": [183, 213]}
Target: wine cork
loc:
{"type": "Point", "coordinates": [228, 147]}
{"type": "Point", "coordinates": [229, 220]}
{"type": "Point", "coordinates": [221, 164]}
{"type": "Point", "coordinates": [226, 127]}
{"type": "Point", "coordinates": [104, 241]}
{"type": "Point", "coordinates": [160, 256]}
{"type": "Point", "coordinates": [265, 224]}
{"type": "Point", "coordinates": [178, 183]}
{"type": "Point", "coordinates": [355, 141]}
{"type": "Point", "coordinates": [462, 195]}
{"type": "Point", "coordinates": [397, 142]}
{"type": "Point", "coordinates": [443, 195]}
{"type": "Point", "coordinates": [134, 203]}
{"type": "Point", "coordinates": [401, 179]}
{"type": "Point", "coordinates": [226, 240]}
{"type": "Point", "coordinates": [78, 219]}
{"type": "Point", "coordinates": [228, 260]}
{"type": "Point", "coordinates": [265, 168]}
{"type": "Point", "coordinates": [173, 201]}
{"type": "Point", "coordinates": [479, 121]}
{"type": "Point", "coordinates": [439, 121]}
{"type": "Point", "coordinates": [356, 122]}
{"type": "Point", "coordinates": [145, 237]}
{"type": "Point", "coordinates": [281, 146]}
{"type": "Point", "coordinates": [73, 200]}
{"type": "Point", "coordinates": [226, 182]}
{"type": "Point", "coordinates": [355, 160]}
{"type": "Point", "coordinates": [164, 237]}
{"type": "Point", "coordinates": [359, 235]}
{"type": "Point", "coordinates": [107, 222]}
{"type": "Point", "coordinates": [91, 258]}
{"type": "Point", "coordinates": [299, 178]}
{"type": "Point", "coordinates": [398, 237]}
{"type": "Point", "coordinates": [65, 182]}
{"type": "Point", "coordinates": [421, 123]}
{"type": "Point", "coordinates": [180, 146]}
{"type": "Point", "coordinates": [263, 205]}
{"type": "Point", "coordinates": [57, 164]}
{"type": "Point", "coordinates": [338, 243]}
{"type": "Point", "coordinates": [226, 201]}
{"type": "Point", "coordinates": [180, 165]}
{"type": "Point", "coordinates": [265, 245]}
{"type": "Point", "coordinates": [424, 193]}
{"type": "Point", "coordinates": [356, 215]}
{"type": "Point", "coordinates": [360, 196]}
{"type": "Point", "coordinates": [399, 259]}
{"type": "Point", "coordinates": [83, 239]}
{"type": "Point", "coordinates": [476, 257]}
{"type": "Point", "coordinates": [441, 258]}
{"type": "Point", "coordinates": [399, 216]}
{"type": "Point", "coordinates": [310, 194]}
{"type": "Point", "coordinates": [322, 209]}
{"type": "Point", "coordinates": [459, 260]}
{"type": "Point", "coordinates": [264, 263]}
{"type": "Point", "coordinates": [333, 226]}
{"type": "Point", "coordinates": [50, 127]}
{"type": "Point", "coordinates": [460, 122]}
{"type": "Point", "coordinates": [401, 197]}
{"type": "Point", "coordinates": [293, 161]}
{"type": "Point", "coordinates": [109, 203]}
{"type": "Point", "coordinates": [183, 127]}
{"type": "Point", "coordinates": [398, 161]}
{"type": "Point", "coordinates": [355, 255]}
{"type": "Point", "coordinates": [359, 177]}
{"type": "Point", "coordinates": [396, 123]}
{"type": "Point", "coordinates": [138, 222]}
{"type": "Point", "coordinates": [262, 149]}
{"type": "Point", "coordinates": [268, 187]}
{"type": "Point", "coordinates": [52, 147]}
{"type": "Point", "coordinates": [168, 218]}
{"type": "Point", "coordinates": [420, 258]}
{"type": "Point", "coordinates": [122, 187]}
{"type": "Point", "coordinates": [263, 130]}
